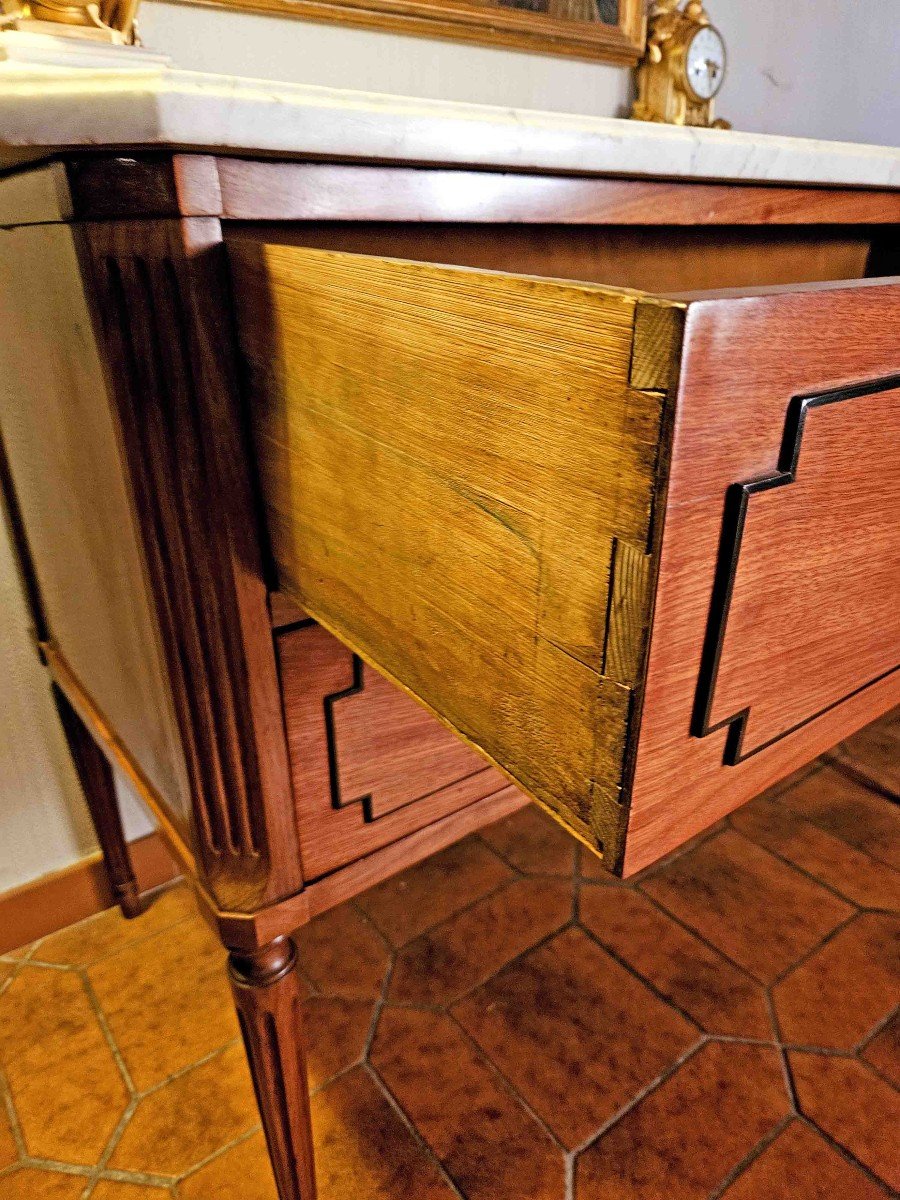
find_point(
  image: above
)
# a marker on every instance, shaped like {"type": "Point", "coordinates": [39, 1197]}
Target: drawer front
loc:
{"type": "Point", "coordinates": [777, 623]}
{"type": "Point", "coordinates": [369, 764]}
{"type": "Point", "coordinates": [494, 487]}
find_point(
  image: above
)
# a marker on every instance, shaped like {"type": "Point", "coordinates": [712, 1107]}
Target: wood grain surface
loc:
{"type": "Point", "coordinates": [450, 460]}
{"type": "Point", "coordinates": [268, 996]}
{"type": "Point", "coordinates": [256, 190]}
{"type": "Point", "coordinates": [163, 321]}
{"type": "Point", "coordinates": [369, 764]}
{"type": "Point", "coordinates": [744, 360]}
{"type": "Point", "coordinates": [647, 258]}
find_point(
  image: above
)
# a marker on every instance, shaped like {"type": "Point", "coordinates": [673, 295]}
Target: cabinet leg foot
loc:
{"type": "Point", "coordinates": [268, 998]}
{"type": "Point", "coordinates": [96, 778]}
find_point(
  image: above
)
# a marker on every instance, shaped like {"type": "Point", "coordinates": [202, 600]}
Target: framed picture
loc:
{"type": "Point", "coordinates": [604, 30]}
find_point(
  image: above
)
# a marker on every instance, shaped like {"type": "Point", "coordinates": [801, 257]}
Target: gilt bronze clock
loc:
{"type": "Point", "coordinates": [683, 68]}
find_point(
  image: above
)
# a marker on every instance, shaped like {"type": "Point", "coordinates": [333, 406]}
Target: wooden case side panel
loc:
{"type": "Point", "coordinates": [745, 362]}
{"type": "Point", "coordinates": [369, 764]}
{"type": "Point", "coordinates": [450, 461]}
{"type": "Point", "coordinates": [69, 482]}
{"type": "Point", "coordinates": [166, 333]}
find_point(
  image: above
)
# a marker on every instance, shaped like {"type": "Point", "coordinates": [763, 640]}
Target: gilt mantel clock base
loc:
{"type": "Point", "coordinates": [683, 67]}
{"type": "Point", "coordinates": [362, 504]}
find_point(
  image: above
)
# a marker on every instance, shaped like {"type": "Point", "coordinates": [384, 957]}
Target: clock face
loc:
{"type": "Point", "coordinates": [705, 63]}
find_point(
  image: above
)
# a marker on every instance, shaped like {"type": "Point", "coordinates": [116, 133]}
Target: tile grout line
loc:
{"type": "Point", "coordinates": [88, 965]}
{"type": "Point", "coordinates": [751, 1156]}
{"type": "Point", "coordinates": [219, 1152]}
{"type": "Point", "coordinates": [495, 890]}
{"type": "Point", "coordinates": [640, 977]}
{"type": "Point", "coordinates": [808, 954]}
{"type": "Point", "coordinates": [847, 1156]}
{"type": "Point", "coordinates": [817, 879]}
{"type": "Point", "coordinates": [94, 1175]}
{"type": "Point", "coordinates": [466, 908]}
{"type": "Point", "coordinates": [507, 1083]}
{"type": "Point", "coordinates": [636, 1099]}
{"type": "Point", "coordinates": [877, 1028]}
{"type": "Point", "coordinates": [480, 982]}
{"type": "Point", "coordinates": [498, 854]}
{"type": "Point", "coordinates": [655, 868]}
{"type": "Point", "coordinates": [106, 1031]}
{"type": "Point", "coordinates": [849, 771]}
{"type": "Point", "coordinates": [813, 879]}
{"type": "Point", "coordinates": [200, 1062]}
{"type": "Point", "coordinates": [369, 1067]}
{"type": "Point", "coordinates": [660, 907]}
{"type": "Point", "coordinates": [13, 1118]}
{"type": "Point", "coordinates": [410, 1125]}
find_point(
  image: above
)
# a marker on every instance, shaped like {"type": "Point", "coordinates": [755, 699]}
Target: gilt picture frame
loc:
{"type": "Point", "coordinates": [611, 31]}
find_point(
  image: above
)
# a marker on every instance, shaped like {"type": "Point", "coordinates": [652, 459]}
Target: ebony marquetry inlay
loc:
{"type": "Point", "coordinates": [829, 467]}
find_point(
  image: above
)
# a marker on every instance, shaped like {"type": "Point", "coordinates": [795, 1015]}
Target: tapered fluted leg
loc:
{"type": "Point", "coordinates": [96, 777]}
{"type": "Point", "coordinates": [268, 999]}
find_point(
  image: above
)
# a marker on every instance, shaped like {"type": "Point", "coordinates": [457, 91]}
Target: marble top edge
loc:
{"type": "Point", "coordinates": [161, 106]}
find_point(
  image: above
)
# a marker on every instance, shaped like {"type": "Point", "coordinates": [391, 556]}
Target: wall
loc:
{"type": "Point", "coordinates": [821, 68]}
{"type": "Point", "coordinates": [44, 824]}
{"type": "Point", "coordinates": [813, 68]}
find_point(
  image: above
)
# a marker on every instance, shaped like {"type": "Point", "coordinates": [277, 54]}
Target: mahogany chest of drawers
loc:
{"type": "Point", "coordinates": [360, 504]}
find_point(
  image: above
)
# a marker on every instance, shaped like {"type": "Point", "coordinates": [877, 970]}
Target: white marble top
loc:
{"type": "Point", "coordinates": [46, 107]}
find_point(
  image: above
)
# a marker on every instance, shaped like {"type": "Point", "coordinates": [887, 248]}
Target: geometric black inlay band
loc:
{"type": "Point", "coordinates": [334, 777]}
{"type": "Point", "coordinates": [735, 514]}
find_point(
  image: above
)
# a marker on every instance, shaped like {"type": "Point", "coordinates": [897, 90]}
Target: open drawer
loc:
{"type": "Point", "coordinates": [642, 552]}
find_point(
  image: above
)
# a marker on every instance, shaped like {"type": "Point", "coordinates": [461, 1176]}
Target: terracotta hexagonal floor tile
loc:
{"type": "Point", "coordinates": [179, 1125]}
{"type": "Point", "coordinates": [858, 877]}
{"type": "Point", "coordinates": [683, 1139]}
{"type": "Point", "coordinates": [441, 965]}
{"type": "Point", "coordinates": [853, 1105]}
{"type": "Point", "coordinates": [8, 1150]}
{"type": "Point", "coordinates": [7, 970]}
{"type": "Point", "coordinates": [845, 988]}
{"type": "Point", "coordinates": [243, 1171]}
{"type": "Point", "coordinates": [883, 1051]}
{"type": "Point", "coordinates": [754, 908]}
{"type": "Point", "coordinates": [336, 1034]}
{"type": "Point", "coordinates": [802, 1165]}
{"type": "Point", "coordinates": [365, 1151]}
{"type": "Point", "coordinates": [431, 891]}
{"type": "Point", "coordinates": [171, 1014]}
{"type": "Point", "coordinates": [27, 1184]}
{"type": "Point", "coordinates": [719, 996]}
{"type": "Point", "coordinates": [109, 1189]}
{"type": "Point", "coordinates": [533, 842]}
{"type": "Point", "coordinates": [851, 811]}
{"type": "Point", "coordinates": [109, 932]}
{"type": "Point", "coordinates": [486, 1140]}
{"type": "Point", "coordinates": [66, 1088]}
{"type": "Point", "coordinates": [574, 1032]}
{"type": "Point", "coordinates": [343, 954]}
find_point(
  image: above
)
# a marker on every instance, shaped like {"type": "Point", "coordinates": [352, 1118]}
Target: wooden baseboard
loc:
{"type": "Point", "coordinates": [50, 903]}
